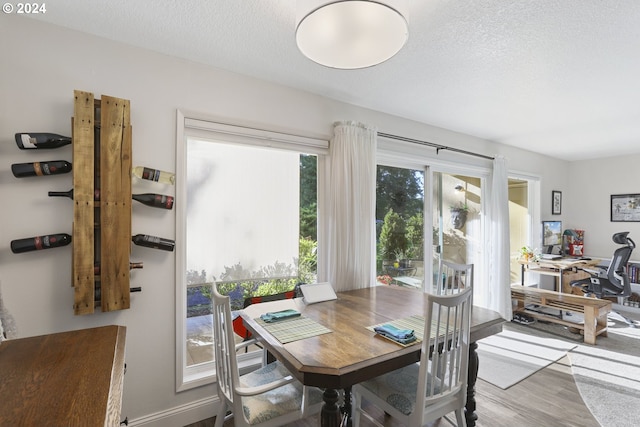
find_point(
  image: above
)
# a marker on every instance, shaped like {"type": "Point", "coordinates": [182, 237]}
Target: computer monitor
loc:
{"type": "Point", "coordinates": [551, 235]}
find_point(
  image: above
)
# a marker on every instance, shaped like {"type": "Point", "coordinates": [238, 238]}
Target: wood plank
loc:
{"type": "Point", "coordinates": [83, 214]}
{"type": "Point", "coordinates": [114, 400]}
{"type": "Point", "coordinates": [63, 379]}
{"type": "Point", "coordinates": [595, 310]}
{"type": "Point", "coordinates": [115, 202]}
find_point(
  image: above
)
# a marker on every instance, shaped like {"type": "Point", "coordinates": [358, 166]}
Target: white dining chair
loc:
{"type": "Point", "coordinates": [453, 277]}
{"type": "Point", "coordinates": [266, 397]}
{"type": "Point", "coordinates": [436, 386]}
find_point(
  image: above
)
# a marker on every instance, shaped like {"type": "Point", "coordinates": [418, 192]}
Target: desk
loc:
{"type": "Point", "coordinates": [64, 379]}
{"type": "Point", "coordinates": [556, 268]}
{"type": "Point", "coordinates": [351, 353]}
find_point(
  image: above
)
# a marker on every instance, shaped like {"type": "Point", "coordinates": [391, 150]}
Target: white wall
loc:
{"type": "Point", "coordinates": [591, 184]}
{"type": "Point", "coordinates": [41, 66]}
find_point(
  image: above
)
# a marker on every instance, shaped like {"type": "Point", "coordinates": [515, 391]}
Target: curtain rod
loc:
{"type": "Point", "coordinates": [438, 147]}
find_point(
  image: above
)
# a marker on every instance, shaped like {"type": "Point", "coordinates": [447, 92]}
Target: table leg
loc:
{"type": "Point", "coordinates": [346, 409]}
{"type": "Point", "coordinates": [470, 407]}
{"type": "Point", "coordinates": [330, 414]}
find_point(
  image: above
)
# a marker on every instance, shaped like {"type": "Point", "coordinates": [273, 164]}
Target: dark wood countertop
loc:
{"type": "Point", "coordinates": [64, 379]}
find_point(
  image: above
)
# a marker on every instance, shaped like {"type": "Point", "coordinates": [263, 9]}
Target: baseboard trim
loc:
{"type": "Point", "coordinates": [182, 415]}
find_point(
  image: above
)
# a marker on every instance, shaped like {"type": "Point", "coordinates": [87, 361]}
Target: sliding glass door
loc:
{"type": "Point", "coordinates": [457, 220]}
{"type": "Point", "coordinates": [399, 226]}
{"type": "Point", "coordinates": [451, 212]}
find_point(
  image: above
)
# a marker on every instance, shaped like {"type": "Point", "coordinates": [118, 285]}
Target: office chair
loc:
{"type": "Point", "coordinates": [614, 281]}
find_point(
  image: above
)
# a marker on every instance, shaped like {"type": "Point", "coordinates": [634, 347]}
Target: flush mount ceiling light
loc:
{"type": "Point", "coordinates": [351, 34]}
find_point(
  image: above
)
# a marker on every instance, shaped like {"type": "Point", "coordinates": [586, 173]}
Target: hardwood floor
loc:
{"type": "Point", "coordinates": [549, 397]}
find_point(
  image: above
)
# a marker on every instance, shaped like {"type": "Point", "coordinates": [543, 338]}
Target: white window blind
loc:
{"type": "Point", "coordinates": [243, 188]}
{"type": "Point", "coordinates": [242, 211]}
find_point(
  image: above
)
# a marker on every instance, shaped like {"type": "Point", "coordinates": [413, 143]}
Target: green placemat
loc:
{"type": "Point", "coordinates": [294, 329]}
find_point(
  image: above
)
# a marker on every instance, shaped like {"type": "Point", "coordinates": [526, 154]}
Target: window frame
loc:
{"type": "Point", "coordinates": [534, 221]}
{"type": "Point", "coordinates": [189, 124]}
{"type": "Point", "coordinates": [414, 156]}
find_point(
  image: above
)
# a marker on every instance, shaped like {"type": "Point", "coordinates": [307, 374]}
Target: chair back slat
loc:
{"type": "Point", "coordinates": [224, 345]}
{"type": "Point", "coordinates": [445, 349]}
{"type": "Point", "coordinates": [453, 277]}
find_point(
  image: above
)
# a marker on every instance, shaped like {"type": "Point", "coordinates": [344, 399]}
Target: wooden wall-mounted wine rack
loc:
{"type": "Point", "coordinates": [101, 229]}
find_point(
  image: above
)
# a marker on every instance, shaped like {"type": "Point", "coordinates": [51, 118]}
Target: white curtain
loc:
{"type": "Point", "coordinates": [352, 203]}
{"type": "Point", "coordinates": [496, 292]}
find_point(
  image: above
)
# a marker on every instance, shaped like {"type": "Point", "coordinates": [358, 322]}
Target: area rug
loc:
{"type": "Point", "coordinates": [608, 374]}
{"type": "Point", "coordinates": [509, 357]}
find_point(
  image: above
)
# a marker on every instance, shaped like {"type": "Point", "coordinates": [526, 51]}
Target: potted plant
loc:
{"type": "Point", "coordinates": [459, 214]}
{"type": "Point", "coordinates": [401, 259]}
{"type": "Point", "coordinates": [526, 254]}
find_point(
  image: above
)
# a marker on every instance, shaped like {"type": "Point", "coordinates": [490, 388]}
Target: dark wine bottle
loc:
{"type": "Point", "coordinates": [154, 200]}
{"type": "Point", "coordinates": [153, 242]}
{"type": "Point", "coordinates": [69, 194]}
{"type": "Point", "coordinates": [132, 265]}
{"type": "Point", "coordinates": [38, 140]}
{"type": "Point", "coordinates": [149, 199]}
{"type": "Point", "coordinates": [97, 292]}
{"type": "Point", "coordinates": [40, 242]}
{"type": "Point", "coordinates": [52, 167]}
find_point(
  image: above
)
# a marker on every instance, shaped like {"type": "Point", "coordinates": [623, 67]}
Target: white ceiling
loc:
{"type": "Point", "coordinates": [560, 77]}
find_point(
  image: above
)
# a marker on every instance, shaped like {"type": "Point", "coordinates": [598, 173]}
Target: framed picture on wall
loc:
{"type": "Point", "coordinates": [625, 207]}
{"type": "Point", "coordinates": [556, 202]}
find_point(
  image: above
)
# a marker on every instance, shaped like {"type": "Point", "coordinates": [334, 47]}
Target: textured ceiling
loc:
{"type": "Point", "coordinates": [560, 77]}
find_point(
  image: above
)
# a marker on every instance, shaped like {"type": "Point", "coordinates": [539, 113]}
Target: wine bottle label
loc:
{"type": "Point", "coordinates": [37, 241]}
{"type": "Point", "coordinates": [37, 169]}
{"type": "Point", "coordinates": [151, 174]}
{"type": "Point", "coordinates": [27, 141]}
{"type": "Point", "coordinates": [164, 201]}
{"type": "Point", "coordinates": [151, 239]}
{"type": "Point", "coordinates": [44, 242]}
{"type": "Point", "coordinates": [44, 168]}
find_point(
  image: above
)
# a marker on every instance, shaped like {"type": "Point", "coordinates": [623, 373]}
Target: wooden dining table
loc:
{"type": "Point", "coordinates": [351, 353]}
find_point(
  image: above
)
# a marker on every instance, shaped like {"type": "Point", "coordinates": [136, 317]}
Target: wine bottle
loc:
{"type": "Point", "coordinates": [153, 242]}
{"type": "Point", "coordinates": [149, 199]}
{"type": "Point", "coordinates": [154, 200]}
{"type": "Point", "coordinates": [154, 175]}
{"type": "Point", "coordinates": [52, 167]}
{"type": "Point", "coordinates": [38, 140]}
{"type": "Point", "coordinates": [69, 194]}
{"type": "Point", "coordinates": [97, 292]}
{"type": "Point", "coordinates": [132, 265]}
{"type": "Point", "coordinates": [40, 242]}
